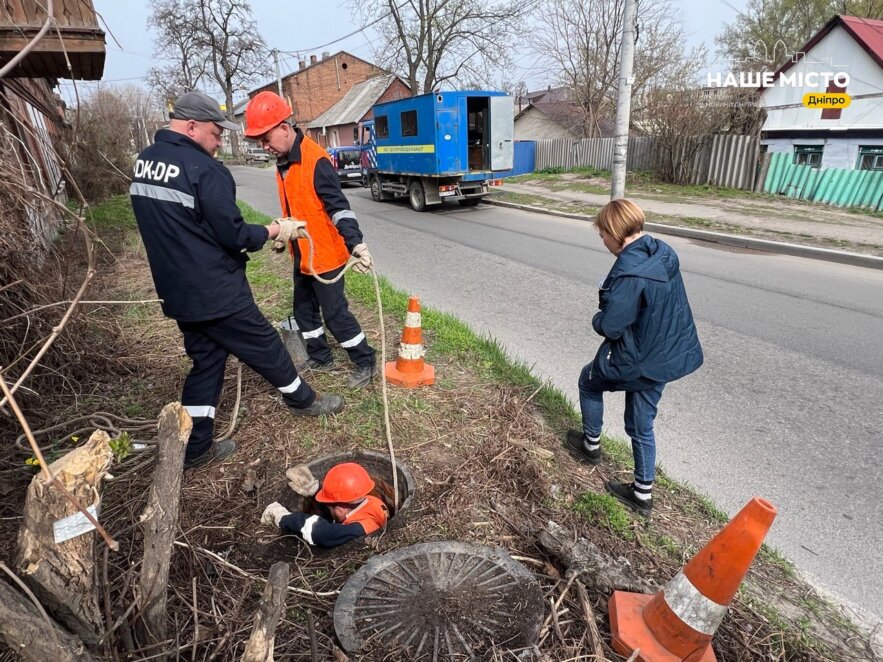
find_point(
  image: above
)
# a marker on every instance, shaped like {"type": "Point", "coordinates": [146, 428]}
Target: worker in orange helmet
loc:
{"type": "Point", "coordinates": [311, 199]}
{"type": "Point", "coordinates": [355, 512]}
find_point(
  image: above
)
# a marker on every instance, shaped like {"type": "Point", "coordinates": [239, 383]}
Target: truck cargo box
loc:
{"type": "Point", "coordinates": [468, 134]}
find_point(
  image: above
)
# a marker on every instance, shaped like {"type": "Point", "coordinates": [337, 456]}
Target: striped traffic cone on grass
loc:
{"type": "Point", "coordinates": [409, 369]}
{"type": "Point", "coordinates": [679, 622]}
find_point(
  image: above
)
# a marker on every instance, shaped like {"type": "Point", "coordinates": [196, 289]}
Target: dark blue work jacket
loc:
{"type": "Point", "coordinates": [645, 317]}
{"type": "Point", "coordinates": [193, 232]}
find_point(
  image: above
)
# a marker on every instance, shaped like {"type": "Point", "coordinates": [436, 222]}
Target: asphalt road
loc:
{"type": "Point", "coordinates": [787, 405]}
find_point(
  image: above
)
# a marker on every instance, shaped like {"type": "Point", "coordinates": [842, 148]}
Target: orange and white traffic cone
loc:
{"type": "Point", "coordinates": [409, 369]}
{"type": "Point", "coordinates": [679, 622]}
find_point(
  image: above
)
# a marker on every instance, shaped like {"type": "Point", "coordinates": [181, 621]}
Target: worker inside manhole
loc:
{"type": "Point", "coordinates": [350, 504]}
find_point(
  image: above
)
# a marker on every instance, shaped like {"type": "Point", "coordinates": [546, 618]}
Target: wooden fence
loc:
{"type": "Point", "coordinates": [724, 160]}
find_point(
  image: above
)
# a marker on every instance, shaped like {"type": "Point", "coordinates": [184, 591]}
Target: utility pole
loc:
{"type": "Point", "coordinates": [278, 73]}
{"type": "Point", "coordinates": [623, 101]}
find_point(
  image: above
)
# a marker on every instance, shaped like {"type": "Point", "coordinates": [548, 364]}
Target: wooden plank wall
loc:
{"type": "Point", "coordinates": [68, 14]}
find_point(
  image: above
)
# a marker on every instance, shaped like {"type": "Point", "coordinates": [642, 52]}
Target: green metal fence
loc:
{"type": "Point", "coordinates": [833, 186]}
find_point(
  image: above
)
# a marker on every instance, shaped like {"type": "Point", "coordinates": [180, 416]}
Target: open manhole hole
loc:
{"type": "Point", "coordinates": [440, 601]}
{"type": "Point", "coordinates": [378, 466]}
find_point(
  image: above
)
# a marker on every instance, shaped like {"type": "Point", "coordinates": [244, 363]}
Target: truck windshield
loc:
{"type": "Point", "coordinates": [347, 157]}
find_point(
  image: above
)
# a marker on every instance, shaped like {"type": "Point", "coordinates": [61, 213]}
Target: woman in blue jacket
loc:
{"type": "Point", "coordinates": [649, 340]}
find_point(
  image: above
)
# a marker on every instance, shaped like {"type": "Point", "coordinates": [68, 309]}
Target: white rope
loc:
{"type": "Point", "coordinates": [353, 260]}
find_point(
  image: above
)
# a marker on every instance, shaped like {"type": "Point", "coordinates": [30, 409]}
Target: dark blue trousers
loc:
{"type": "Point", "coordinates": [314, 301]}
{"type": "Point", "coordinates": [248, 336]}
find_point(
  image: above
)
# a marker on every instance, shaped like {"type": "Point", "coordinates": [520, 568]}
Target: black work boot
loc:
{"type": "Point", "coordinates": [362, 376]}
{"type": "Point", "coordinates": [218, 450]}
{"type": "Point", "coordinates": [625, 494]}
{"type": "Point", "coordinates": [315, 366]}
{"type": "Point", "coordinates": [573, 440]}
{"type": "Point", "coordinates": [323, 404]}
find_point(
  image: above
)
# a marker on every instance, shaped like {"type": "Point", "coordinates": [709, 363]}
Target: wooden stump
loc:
{"type": "Point", "coordinates": [160, 520]}
{"type": "Point", "coordinates": [24, 630]}
{"type": "Point", "coordinates": [260, 644]}
{"type": "Point", "coordinates": [56, 552]}
{"type": "Point", "coordinates": [602, 572]}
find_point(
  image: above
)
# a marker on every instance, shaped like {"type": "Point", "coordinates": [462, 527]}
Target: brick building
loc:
{"type": "Point", "coordinates": [320, 83]}
{"type": "Point", "coordinates": [338, 125]}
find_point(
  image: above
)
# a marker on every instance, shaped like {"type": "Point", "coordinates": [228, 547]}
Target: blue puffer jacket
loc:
{"type": "Point", "coordinates": [645, 317]}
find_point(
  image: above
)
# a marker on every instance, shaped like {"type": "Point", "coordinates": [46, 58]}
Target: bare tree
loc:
{"type": "Point", "coordinates": [580, 40]}
{"type": "Point", "coordinates": [179, 43]}
{"type": "Point", "coordinates": [444, 41]}
{"type": "Point", "coordinates": [207, 40]}
{"type": "Point", "coordinates": [145, 113]}
{"type": "Point", "coordinates": [236, 52]}
{"type": "Point", "coordinates": [684, 119]}
{"type": "Point", "coordinates": [113, 122]}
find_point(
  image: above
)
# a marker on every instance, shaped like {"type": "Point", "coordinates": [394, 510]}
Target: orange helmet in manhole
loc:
{"type": "Point", "coordinates": [440, 601]}
{"type": "Point", "coordinates": [345, 483]}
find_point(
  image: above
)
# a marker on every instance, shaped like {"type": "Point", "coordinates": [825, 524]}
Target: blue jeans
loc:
{"type": "Point", "coordinates": [641, 404]}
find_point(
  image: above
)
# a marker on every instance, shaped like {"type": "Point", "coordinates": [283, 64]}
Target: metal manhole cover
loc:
{"type": "Point", "coordinates": [440, 600]}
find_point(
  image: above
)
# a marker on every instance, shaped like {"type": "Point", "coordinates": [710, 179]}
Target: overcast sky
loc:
{"type": "Point", "coordinates": [304, 25]}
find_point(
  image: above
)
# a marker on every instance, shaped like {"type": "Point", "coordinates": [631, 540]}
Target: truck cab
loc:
{"type": "Point", "coordinates": [439, 146]}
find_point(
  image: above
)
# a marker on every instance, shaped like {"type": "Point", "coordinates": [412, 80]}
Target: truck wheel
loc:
{"type": "Point", "coordinates": [469, 202]}
{"type": "Point", "coordinates": [417, 196]}
{"type": "Point", "coordinates": [377, 194]}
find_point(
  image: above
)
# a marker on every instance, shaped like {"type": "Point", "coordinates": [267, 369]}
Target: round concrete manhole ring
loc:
{"type": "Point", "coordinates": [378, 465]}
{"type": "Point", "coordinates": [440, 601]}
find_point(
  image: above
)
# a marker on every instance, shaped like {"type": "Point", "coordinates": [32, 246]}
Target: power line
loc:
{"type": "Point", "coordinates": [347, 36]}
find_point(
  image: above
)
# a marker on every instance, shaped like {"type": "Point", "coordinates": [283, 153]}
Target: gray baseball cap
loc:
{"type": "Point", "coordinates": [202, 108]}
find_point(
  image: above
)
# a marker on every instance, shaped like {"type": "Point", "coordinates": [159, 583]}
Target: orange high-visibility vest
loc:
{"type": "Point", "coordinates": [371, 514]}
{"type": "Point", "coordinates": [299, 200]}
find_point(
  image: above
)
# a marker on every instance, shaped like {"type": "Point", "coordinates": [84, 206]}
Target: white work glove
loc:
{"type": "Point", "coordinates": [302, 480]}
{"type": "Point", "coordinates": [289, 230]}
{"type": "Point", "coordinates": [366, 262]}
{"type": "Point", "coordinates": [274, 513]}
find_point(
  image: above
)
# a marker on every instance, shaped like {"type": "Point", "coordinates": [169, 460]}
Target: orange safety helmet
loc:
{"type": "Point", "coordinates": [345, 483]}
{"type": "Point", "coordinates": [264, 112]}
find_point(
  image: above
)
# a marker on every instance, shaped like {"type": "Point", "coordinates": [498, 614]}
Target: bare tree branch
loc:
{"type": "Point", "coordinates": [433, 41]}
{"type": "Point", "coordinates": [579, 40]}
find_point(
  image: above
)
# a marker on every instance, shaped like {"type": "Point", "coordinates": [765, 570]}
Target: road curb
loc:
{"type": "Point", "coordinates": [735, 240]}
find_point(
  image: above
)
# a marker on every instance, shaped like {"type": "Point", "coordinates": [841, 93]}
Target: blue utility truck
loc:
{"type": "Point", "coordinates": [436, 147]}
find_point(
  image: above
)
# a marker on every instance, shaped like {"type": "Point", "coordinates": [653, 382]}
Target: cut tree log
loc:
{"type": "Point", "coordinates": [31, 636]}
{"type": "Point", "coordinates": [260, 644]}
{"type": "Point", "coordinates": [601, 571]}
{"type": "Point", "coordinates": [56, 551]}
{"type": "Point", "coordinates": [160, 521]}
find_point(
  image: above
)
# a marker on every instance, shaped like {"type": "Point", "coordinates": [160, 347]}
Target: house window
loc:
{"type": "Point", "coordinates": [409, 123]}
{"type": "Point", "coordinates": [810, 155]}
{"type": "Point", "coordinates": [381, 126]}
{"type": "Point", "coordinates": [870, 158]}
